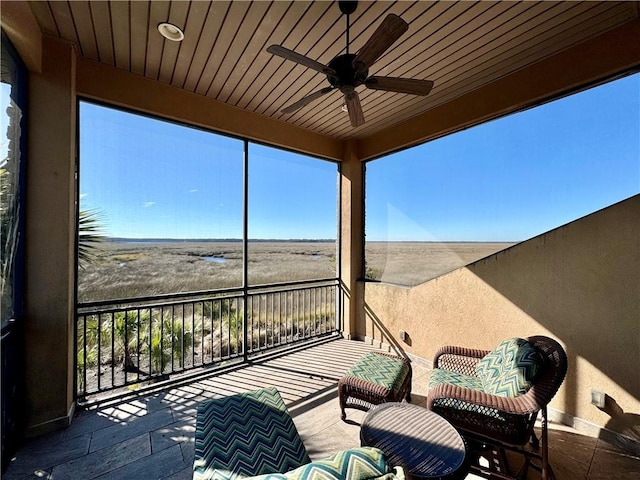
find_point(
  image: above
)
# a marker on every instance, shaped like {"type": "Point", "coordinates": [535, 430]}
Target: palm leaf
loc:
{"type": "Point", "coordinates": [90, 234]}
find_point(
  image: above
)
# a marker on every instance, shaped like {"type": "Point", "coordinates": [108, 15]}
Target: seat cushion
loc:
{"type": "Point", "coordinates": [510, 369]}
{"type": "Point", "coordinates": [441, 376]}
{"type": "Point", "coordinates": [381, 370]}
{"type": "Point", "coordinates": [245, 435]}
{"type": "Point", "coordinates": [353, 464]}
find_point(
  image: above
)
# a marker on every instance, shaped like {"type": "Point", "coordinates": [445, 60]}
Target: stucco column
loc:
{"type": "Point", "coordinates": [50, 227]}
{"type": "Point", "coordinates": [352, 238]}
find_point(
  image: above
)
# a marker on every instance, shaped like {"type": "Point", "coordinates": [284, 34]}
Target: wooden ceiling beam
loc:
{"type": "Point", "coordinates": [119, 88]}
{"type": "Point", "coordinates": [22, 29]}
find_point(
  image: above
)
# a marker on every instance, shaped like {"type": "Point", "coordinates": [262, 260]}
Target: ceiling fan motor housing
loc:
{"type": "Point", "coordinates": [346, 74]}
{"type": "Point", "coordinates": [347, 7]}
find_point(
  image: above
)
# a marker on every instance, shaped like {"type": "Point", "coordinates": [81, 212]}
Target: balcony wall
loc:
{"type": "Point", "coordinates": [579, 283]}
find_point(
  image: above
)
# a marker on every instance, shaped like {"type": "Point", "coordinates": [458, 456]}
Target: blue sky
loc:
{"type": "Point", "coordinates": [515, 177]}
{"type": "Point", "coordinates": [5, 100]}
{"type": "Point", "coordinates": [506, 180]}
{"type": "Point", "coordinates": [153, 179]}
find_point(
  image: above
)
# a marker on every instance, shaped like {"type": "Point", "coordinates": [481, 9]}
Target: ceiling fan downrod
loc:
{"type": "Point", "coordinates": [347, 8]}
{"type": "Point", "coordinates": [346, 50]}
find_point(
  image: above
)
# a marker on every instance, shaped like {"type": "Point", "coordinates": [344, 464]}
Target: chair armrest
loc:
{"type": "Point", "coordinates": [458, 359]}
{"type": "Point", "coordinates": [520, 405]}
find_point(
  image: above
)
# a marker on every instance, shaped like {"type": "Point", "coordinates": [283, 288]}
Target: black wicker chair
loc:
{"type": "Point", "coordinates": [493, 425]}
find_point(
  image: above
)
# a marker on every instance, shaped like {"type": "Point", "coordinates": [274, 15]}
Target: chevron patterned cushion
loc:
{"type": "Point", "coordinates": [439, 376]}
{"type": "Point", "coordinates": [244, 435]}
{"type": "Point", "coordinates": [380, 369]}
{"type": "Point", "coordinates": [510, 369]}
{"type": "Point", "coordinates": [353, 464]}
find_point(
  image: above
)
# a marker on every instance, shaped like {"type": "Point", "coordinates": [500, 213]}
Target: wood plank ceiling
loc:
{"type": "Point", "coordinates": [461, 46]}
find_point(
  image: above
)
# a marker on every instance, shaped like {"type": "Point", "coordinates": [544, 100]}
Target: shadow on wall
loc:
{"type": "Point", "coordinates": [626, 424]}
{"type": "Point", "coordinates": [581, 282]}
{"type": "Point", "coordinates": [386, 336]}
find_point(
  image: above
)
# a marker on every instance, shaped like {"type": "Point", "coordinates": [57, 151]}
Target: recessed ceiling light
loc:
{"type": "Point", "coordinates": [171, 32]}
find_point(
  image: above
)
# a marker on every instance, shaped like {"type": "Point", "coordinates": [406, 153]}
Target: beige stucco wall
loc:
{"type": "Point", "coordinates": [579, 283]}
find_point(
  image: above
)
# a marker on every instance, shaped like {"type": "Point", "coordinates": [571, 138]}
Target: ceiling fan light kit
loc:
{"type": "Point", "coordinates": [348, 71]}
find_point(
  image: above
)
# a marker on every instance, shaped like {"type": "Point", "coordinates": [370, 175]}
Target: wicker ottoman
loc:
{"type": "Point", "coordinates": [375, 378]}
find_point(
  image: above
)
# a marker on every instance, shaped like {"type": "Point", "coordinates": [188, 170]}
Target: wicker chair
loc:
{"type": "Point", "coordinates": [492, 424]}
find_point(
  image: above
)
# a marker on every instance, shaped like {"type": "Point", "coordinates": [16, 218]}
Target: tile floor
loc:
{"type": "Point", "coordinates": [151, 436]}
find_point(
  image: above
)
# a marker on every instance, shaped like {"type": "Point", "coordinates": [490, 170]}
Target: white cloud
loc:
{"type": "Point", "coordinates": [193, 190]}
{"type": "Point", "coordinates": [148, 204]}
{"type": "Point", "coordinates": [83, 195]}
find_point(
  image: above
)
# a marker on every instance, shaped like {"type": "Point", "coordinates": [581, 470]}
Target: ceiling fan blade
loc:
{"type": "Point", "coordinates": [306, 100]}
{"type": "Point", "coordinates": [401, 85]}
{"type": "Point", "coordinates": [391, 28]}
{"type": "Point", "coordinates": [301, 59]}
{"type": "Point", "coordinates": [356, 115]}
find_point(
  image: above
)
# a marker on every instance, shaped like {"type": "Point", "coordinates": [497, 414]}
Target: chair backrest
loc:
{"type": "Point", "coordinates": [555, 369]}
{"type": "Point", "coordinates": [245, 435]}
{"type": "Point", "coordinates": [510, 368]}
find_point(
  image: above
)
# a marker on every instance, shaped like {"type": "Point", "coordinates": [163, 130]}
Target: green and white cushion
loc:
{"type": "Point", "coordinates": [510, 369]}
{"type": "Point", "coordinates": [353, 464]}
{"type": "Point", "coordinates": [380, 369]}
{"type": "Point", "coordinates": [245, 435]}
{"type": "Point", "coordinates": [440, 376]}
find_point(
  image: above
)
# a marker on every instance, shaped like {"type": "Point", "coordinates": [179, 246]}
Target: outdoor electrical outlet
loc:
{"type": "Point", "coordinates": [597, 398]}
{"type": "Point", "coordinates": [403, 335]}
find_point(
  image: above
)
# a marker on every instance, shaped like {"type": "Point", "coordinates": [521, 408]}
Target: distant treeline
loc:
{"type": "Point", "coordinates": [290, 240]}
{"type": "Point", "coordinates": [219, 240]}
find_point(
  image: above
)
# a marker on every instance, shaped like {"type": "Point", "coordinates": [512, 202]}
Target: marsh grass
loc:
{"type": "Point", "coordinates": [412, 263]}
{"type": "Point", "coordinates": [137, 269]}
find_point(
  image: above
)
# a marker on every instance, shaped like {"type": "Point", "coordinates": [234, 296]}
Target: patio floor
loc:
{"type": "Point", "coordinates": [151, 436]}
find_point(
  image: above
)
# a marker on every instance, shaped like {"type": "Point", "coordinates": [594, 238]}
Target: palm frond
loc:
{"type": "Point", "coordinates": [90, 234]}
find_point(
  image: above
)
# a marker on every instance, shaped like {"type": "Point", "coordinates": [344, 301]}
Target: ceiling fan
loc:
{"type": "Point", "coordinates": [348, 71]}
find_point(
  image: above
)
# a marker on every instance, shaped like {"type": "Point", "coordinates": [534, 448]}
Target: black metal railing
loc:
{"type": "Point", "coordinates": [128, 342]}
